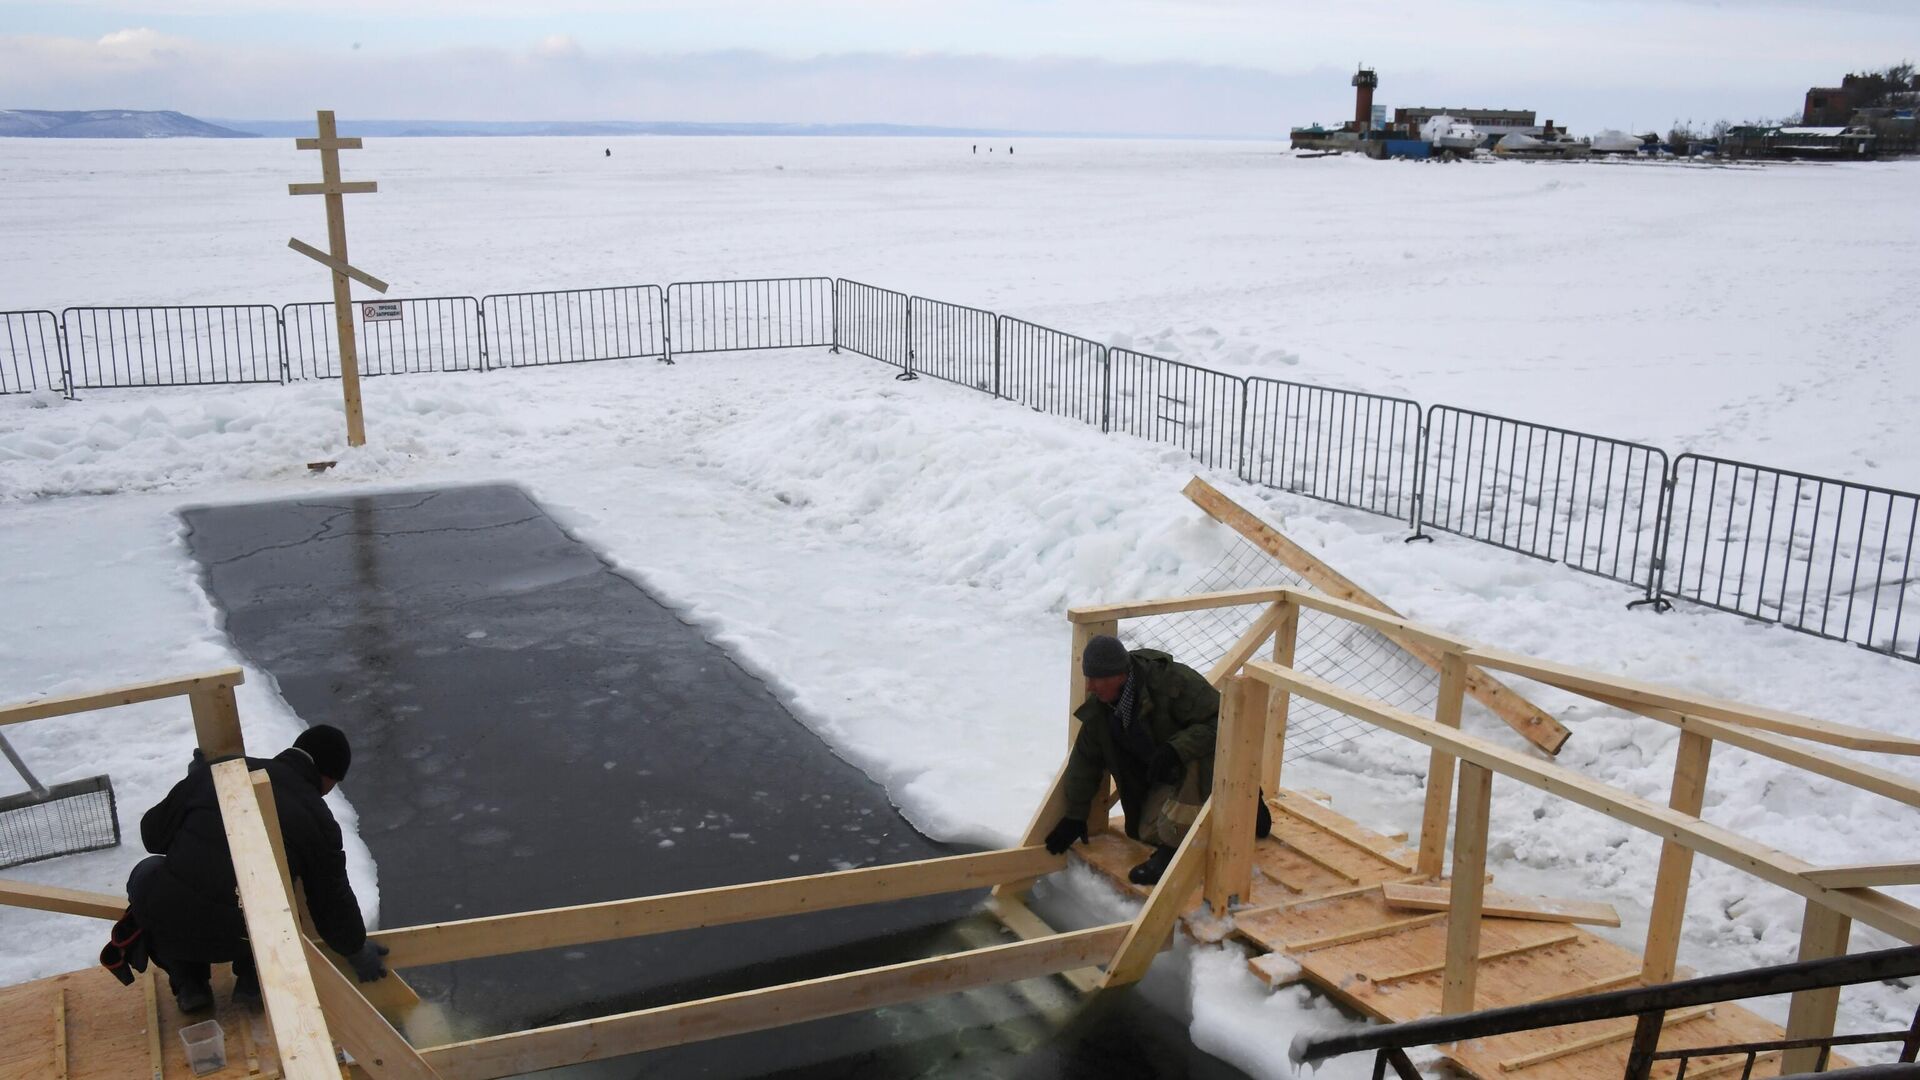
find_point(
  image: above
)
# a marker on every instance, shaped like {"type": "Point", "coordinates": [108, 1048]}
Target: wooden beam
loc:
{"type": "Point", "coordinates": [293, 1006]}
{"type": "Point", "coordinates": [374, 1044]}
{"type": "Point", "coordinates": [1522, 715]}
{"type": "Point", "coordinates": [1245, 646]}
{"type": "Point", "coordinates": [777, 1006]}
{"type": "Point", "coordinates": [1499, 905]}
{"type": "Point", "coordinates": [1385, 848]}
{"type": "Point", "coordinates": [90, 905]}
{"type": "Point", "coordinates": [1169, 605]}
{"type": "Point", "coordinates": [1236, 793]}
{"type": "Point", "coordinates": [1688, 794]}
{"type": "Point", "coordinates": [1865, 875]}
{"type": "Point", "coordinates": [338, 142]}
{"type": "Point", "coordinates": [1154, 925]}
{"type": "Point", "coordinates": [1632, 694]}
{"type": "Point", "coordinates": [1446, 712]}
{"type": "Point", "coordinates": [216, 721]}
{"type": "Point", "coordinates": [1779, 868]}
{"type": "Point", "coordinates": [1611, 1034]}
{"type": "Point", "coordinates": [156, 1060]}
{"type": "Point", "coordinates": [1273, 755]}
{"type": "Point", "coordinates": [1823, 933]}
{"type": "Point", "coordinates": [1014, 914]}
{"type": "Point", "coordinates": [60, 1033]}
{"type": "Point", "coordinates": [553, 928]}
{"type": "Point", "coordinates": [1438, 642]}
{"type": "Point", "coordinates": [337, 187]}
{"type": "Point", "coordinates": [1469, 885]}
{"type": "Point", "coordinates": [66, 705]}
{"type": "Point", "coordinates": [1053, 806]}
{"type": "Point", "coordinates": [1492, 954]}
{"type": "Point", "coordinates": [1363, 933]}
{"type": "Point", "coordinates": [337, 266]}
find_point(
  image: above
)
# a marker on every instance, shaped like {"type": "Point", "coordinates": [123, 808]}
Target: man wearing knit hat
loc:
{"type": "Point", "coordinates": [183, 896]}
{"type": "Point", "coordinates": [1150, 721]}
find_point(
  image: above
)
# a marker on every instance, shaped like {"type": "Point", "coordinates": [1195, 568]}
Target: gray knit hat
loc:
{"type": "Point", "coordinates": [1104, 656]}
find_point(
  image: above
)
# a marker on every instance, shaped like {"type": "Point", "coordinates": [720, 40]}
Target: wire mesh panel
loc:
{"type": "Point", "coordinates": [72, 817]}
{"type": "Point", "coordinates": [734, 316]}
{"type": "Point", "coordinates": [1194, 408]}
{"type": "Point", "coordinates": [1585, 500]}
{"type": "Point", "coordinates": [872, 321]}
{"type": "Point", "coordinates": [30, 356]}
{"type": "Point", "coordinates": [1818, 555]}
{"type": "Point", "coordinates": [571, 326]}
{"type": "Point", "coordinates": [433, 333]}
{"type": "Point", "coordinates": [1343, 446]}
{"type": "Point", "coordinates": [957, 343]}
{"type": "Point", "coordinates": [173, 346]}
{"type": "Point", "coordinates": [1053, 372]}
{"type": "Point", "coordinates": [1327, 647]}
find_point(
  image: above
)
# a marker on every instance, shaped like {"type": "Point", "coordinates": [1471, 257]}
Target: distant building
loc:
{"type": "Point", "coordinates": [1827, 106]}
{"type": "Point", "coordinates": [1379, 118]}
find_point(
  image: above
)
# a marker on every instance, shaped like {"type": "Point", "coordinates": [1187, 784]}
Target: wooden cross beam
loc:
{"type": "Point", "coordinates": [334, 258]}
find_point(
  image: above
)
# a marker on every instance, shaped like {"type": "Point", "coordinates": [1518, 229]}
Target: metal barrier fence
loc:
{"type": "Point", "coordinates": [31, 357]}
{"type": "Point", "coordinates": [872, 321]}
{"type": "Point", "coordinates": [736, 316]}
{"type": "Point", "coordinates": [571, 326]}
{"type": "Point", "coordinates": [1591, 502]}
{"type": "Point", "coordinates": [1194, 408]}
{"type": "Point", "coordinates": [1054, 372]}
{"type": "Point", "coordinates": [1822, 556]}
{"type": "Point", "coordinates": [953, 342]}
{"type": "Point", "coordinates": [433, 333]}
{"type": "Point", "coordinates": [1342, 446]}
{"type": "Point", "coordinates": [173, 346]}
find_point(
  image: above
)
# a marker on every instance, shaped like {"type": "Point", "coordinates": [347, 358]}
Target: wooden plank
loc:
{"type": "Point", "coordinates": [1236, 793]}
{"type": "Point", "coordinates": [216, 721]}
{"type": "Point", "coordinates": [339, 142]}
{"type": "Point", "coordinates": [1154, 925]}
{"type": "Point", "coordinates": [1823, 933]}
{"type": "Point", "coordinates": [1777, 867]}
{"type": "Point", "coordinates": [1433, 820]}
{"type": "Point", "coordinates": [778, 1006]}
{"type": "Point", "coordinates": [155, 1059]}
{"type": "Point", "coordinates": [376, 1047]}
{"type": "Point", "coordinates": [1499, 905]}
{"type": "Point", "coordinates": [92, 905]}
{"type": "Point", "coordinates": [337, 266]}
{"type": "Point", "coordinates": [132, 694]}
{"type": "Point", "coordinates": [1169, 605]}
{"type": "Point", "coordinates": [1522, 715]}
{"type": "Point", "coordinates": [1323, 863]}
{"type": "Point", "coordinates": [293, 1007]}
{"type": "Point", "coordinates": [60, 1033]}
{"type": "Point", "coordinates": [1469, 883]}
{"type": "Point", "coordinates": [1286, 637]}
{"type": "Point", "coordinates": [1439, 642]}
{"type": "Point", "coordinates": [1248, 644]}
{"type": "Point", "coordinates": [1053, 806]}
{"type": "Point", "coordinates": [1016, 916]}
{"type": "Point", "coordinates": [1688, 794]}
{"type": "Point", "coordinates": [1634, 693]}
{"type": "Point", "coordinates": [337, 187]}
{"type": "Point", "coordinates": [552, 928]}
{"type": "Point", "coordinates": [1385, 848]}
{"type": "Point", "coordinates": [1363, 933]}
{"type": "Point", "coordinates": [1490, 954]}
{"type": "Point", "coordinates": [1865, 875]}
{"type": "Point", "coordinates": [1611, 1034]}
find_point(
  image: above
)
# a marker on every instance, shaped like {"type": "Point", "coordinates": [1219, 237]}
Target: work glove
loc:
{"type": "Point", "coordinates": [1064, 834]}
{"type": "Point", "coordinates": [1166, 766]}
{"type": "Point", "coordinates": [366, 962]}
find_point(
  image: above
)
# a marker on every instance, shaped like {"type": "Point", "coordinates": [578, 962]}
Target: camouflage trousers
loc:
{"type": "Point", "coordinates": [1169, 810]}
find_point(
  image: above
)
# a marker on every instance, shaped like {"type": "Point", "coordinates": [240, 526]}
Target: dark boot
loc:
{"type": "Point", "coordinates": [193, 997]}
{"type": "Point", "coordinates": [1148, 873]}
{"type": "Point", "coordinates": [246, 989]}
{"type": "Point", "coordinates": [1262, 819]}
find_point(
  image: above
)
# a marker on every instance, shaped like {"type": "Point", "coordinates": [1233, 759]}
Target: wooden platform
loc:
{"type": "Point", "coordinates": [86, 1026]}
{"type": "Point", "coordinates": [1316, 901]}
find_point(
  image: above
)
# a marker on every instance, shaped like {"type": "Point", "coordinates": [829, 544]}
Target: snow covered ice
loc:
{"type": "Point", "coordinates": [868, 545]}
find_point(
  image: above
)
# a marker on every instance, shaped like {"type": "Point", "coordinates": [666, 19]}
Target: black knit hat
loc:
{"type": "Point", "coordinates": [1104, 656]}
{"type": "Point", "coordinates": [327, 746]}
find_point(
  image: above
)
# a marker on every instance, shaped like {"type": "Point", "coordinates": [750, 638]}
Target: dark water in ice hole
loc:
{"type": "Point", "coordinates": [532, 730]}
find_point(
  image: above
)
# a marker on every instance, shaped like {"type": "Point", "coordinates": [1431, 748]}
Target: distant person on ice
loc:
{"type": "Point", "coordinates": [1150, 721]}
{"type": "Point", "coordinates": [183, 895]}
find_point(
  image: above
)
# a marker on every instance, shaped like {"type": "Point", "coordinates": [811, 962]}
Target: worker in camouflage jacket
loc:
{"type": "Point", "coordinates": [1150, 722]}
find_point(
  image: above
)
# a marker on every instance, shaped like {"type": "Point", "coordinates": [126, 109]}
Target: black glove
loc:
{"type": "Point", "coordinates": [1065, 833]}
{"type": "Point", "coordinates": [1166, 766]}
{"type": "Point", "coordinates": [366, 963]}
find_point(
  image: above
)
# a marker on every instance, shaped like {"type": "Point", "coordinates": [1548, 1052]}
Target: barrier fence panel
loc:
{"type": "Point", "coordinates": [173, 346]}
{"type": "Point", "coordinates": [1823, 556]}
{"type": "Point", "coordinates": [433, 333]}
{"type": "Point", "coordinates": [1053, 372]}
{"type": "Point", "coordinates": [1588, 501]}
{"type": "Point", "coordinates": [571, 326]}
{"type": "Point", "coordinates": [1166, 401]}
{"type": "Point", "coordinates": [731, 316]}
{"type": "Point", "coordinates": [1342, 446]}
{"type": "Point", "coordinates": [955, 343]}
{"type": "Point", "coordinates": [30, 354]}
{"type": "Point", "coordinates": [872, 321]}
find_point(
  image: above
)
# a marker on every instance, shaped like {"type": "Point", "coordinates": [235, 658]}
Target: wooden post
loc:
{"type": "Point", "coordinates": [1676, 861]}
{"type": "Point", "coordinates": [1164, 906]}
{"type": "Point", "coordinates": [1823, 933]}
{"type": "Point", "coordinates": [1076, 694]}
{"type": "Point", "coordinates": [216, 721]}
{"type": "Point", "coordinates": [1236, 781]}
{"type": "Point", "coordinates": [1446, 710]}
{"type": "Point", "coordinates": [1469, 886]}
{"type": "Point", "coordinates": [1273, 754]}
{"type": "Point", "coordinates": [335, 191]}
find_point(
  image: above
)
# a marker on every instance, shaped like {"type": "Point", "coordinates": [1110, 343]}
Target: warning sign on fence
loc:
{"type": "Point", "coordinates": [380, 311]}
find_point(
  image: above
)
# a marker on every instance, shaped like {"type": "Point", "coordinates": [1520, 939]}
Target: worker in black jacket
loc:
{"type": "Point", "coordinates": [184, 896]}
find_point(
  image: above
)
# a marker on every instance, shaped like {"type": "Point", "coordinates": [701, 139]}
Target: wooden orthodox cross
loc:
{"type": "Point", "coordinates": [335, 258]}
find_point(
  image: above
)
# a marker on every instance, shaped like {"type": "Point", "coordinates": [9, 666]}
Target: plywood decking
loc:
{"type": "Point", "coordinates": [1316, 900]}
{"type": "Point", "coordinates": [106, 1035]}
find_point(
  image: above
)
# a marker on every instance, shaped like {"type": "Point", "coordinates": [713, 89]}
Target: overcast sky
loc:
{"type": "Point", "coordinates": [1195, 67]}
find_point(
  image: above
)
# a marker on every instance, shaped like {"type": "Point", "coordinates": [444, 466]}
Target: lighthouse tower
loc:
{"type": "Point", "coordinates": [1364, 81]}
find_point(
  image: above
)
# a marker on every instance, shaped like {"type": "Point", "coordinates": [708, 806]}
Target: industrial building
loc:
{"type": "Point", "coordinates": [1493, 123]}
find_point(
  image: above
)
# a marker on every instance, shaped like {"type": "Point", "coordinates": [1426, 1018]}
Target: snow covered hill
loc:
{"type": "Point", "coordinates": [109, 124]}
